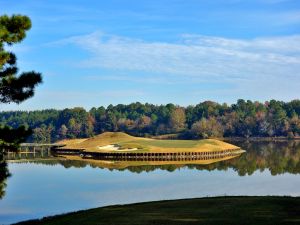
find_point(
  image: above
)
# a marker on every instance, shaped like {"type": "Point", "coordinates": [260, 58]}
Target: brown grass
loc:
{"type": "Point", "coordinates": [126, 141]}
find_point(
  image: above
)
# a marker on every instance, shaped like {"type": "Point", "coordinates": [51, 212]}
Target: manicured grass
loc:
{"type": "Point", "coordinates": [208, 211]}
{"type": "Point", "coordinates": [169, 143]}
{"type": "Point", "coordinates": [126, 141]}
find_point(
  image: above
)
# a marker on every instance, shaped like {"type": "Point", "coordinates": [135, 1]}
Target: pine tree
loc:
{"type": "Point", "coordinates": [14, 87]}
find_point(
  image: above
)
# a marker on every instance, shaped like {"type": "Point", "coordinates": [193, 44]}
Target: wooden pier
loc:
{"type": "Point", "coordinates": [27, 146]}
{"type": "Point", "coordinates": [31, 151]}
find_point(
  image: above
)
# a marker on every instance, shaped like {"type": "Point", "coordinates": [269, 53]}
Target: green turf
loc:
{"type": "Point", "coordinates": [140, 144]}
{"type": "Point", "coordinates": [218, 210]}
{"type": "Point", "coordinates": [170, 143]}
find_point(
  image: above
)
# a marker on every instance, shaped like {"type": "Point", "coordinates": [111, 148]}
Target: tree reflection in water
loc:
{"type": "Point", "coordinates": [276, 156]}
{"type": "Point", "coordinates": [4, 174]}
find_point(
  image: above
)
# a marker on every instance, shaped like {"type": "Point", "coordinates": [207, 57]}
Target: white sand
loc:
{"type": "Point", "coordinates": [109, 147]}
{"type": "Point", "coordinates": [115, 148]}
{"type": "Point", "coordinates": [127, 149]}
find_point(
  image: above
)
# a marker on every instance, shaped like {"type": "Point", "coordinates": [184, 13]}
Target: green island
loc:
{"type": "Point", "coordinates": [213, 210]}
{"type": "Point", "coordinates": [119, 142]}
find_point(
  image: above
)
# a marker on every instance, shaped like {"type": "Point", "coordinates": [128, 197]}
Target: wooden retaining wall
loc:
{"type": "Point", "coordinates": [174, 156]}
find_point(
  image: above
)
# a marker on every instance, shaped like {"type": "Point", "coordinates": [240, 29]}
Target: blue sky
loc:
{"type": "Point", "coordinates": [94, 53]}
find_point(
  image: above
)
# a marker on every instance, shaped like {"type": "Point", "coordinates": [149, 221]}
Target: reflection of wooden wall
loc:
{"type": "Point", "coordinates": [29, 153]}
{"type": "Point", "coordinates": [32, 151]}
{"type": "Point", "coordinates": [178, 156]}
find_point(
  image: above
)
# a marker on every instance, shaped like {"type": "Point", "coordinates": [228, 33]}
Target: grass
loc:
{"type": "Point", "coordinates": [217, 210]}
{"type": "Point", "coordinates": [126, 141]}
{"type": "Point", "coordinates": [169, 143]}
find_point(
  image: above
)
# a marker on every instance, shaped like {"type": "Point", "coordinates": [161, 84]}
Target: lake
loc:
{"type": "Point", "coordinates": [49, 186]}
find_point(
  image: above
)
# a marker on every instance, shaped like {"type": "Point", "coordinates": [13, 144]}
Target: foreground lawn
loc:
{"type": "Point", "coordinates": [217, 210]}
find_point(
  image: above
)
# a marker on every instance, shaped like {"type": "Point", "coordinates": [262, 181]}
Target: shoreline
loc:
{"type": "Point", "coordinates": [259, 139]}
{"type": "Point", "coordinates": [254, 138]}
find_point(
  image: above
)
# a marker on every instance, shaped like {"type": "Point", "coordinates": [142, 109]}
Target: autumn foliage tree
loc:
{"type": "Point", "coordinates": [205, 128]}
{"type": "Point", "coordinates": [177, 119]}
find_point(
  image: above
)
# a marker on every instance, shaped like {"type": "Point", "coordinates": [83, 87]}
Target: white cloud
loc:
{"type": "Point", "coordinates": [128, 78]}
{"type": "Point", "coordinates": [193, 69]}
{"type": "Point", "coordinates": [194, 56]}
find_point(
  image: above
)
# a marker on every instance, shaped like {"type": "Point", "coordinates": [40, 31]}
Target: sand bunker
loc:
{"type": "Point", "coordinates": [109, 147]}
{"type": "Point", "coordinates": [115, 148]}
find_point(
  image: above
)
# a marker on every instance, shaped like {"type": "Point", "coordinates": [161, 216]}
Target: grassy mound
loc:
{"type": "Point", "coordinates": [127, 143]}
{"type": "Point", "coordinates": [208, 211]}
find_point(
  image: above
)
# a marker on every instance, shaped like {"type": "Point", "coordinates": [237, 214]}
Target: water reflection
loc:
{"type": "Point", "coordinates": [4, 174]}
{"type": "Point", "coordinates": [277, 156]}
{"type": "Point", "coordinates": [140, 166]}
{"type": "Point", "coordinates": [43, 185]}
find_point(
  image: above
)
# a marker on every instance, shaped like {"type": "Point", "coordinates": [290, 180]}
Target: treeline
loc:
{"type": "Point", "coordinates": [206, 119]}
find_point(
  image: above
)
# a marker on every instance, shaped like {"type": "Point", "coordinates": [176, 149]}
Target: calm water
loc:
{"type": "Point", "coordinates": [42, 188]}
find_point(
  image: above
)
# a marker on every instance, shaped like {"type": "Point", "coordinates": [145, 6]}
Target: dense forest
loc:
{"type": "Point", "coordinates": [207, 119]}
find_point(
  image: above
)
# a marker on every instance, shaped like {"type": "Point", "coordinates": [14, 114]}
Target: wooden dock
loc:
{"type": "Point", "coordinates": [31, 151]}
{"type": "Point", "coordinates": [38, 145]}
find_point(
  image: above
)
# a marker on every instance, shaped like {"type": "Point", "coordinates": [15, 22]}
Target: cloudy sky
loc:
{"type": "Point", "coordinates": [94, 53]}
